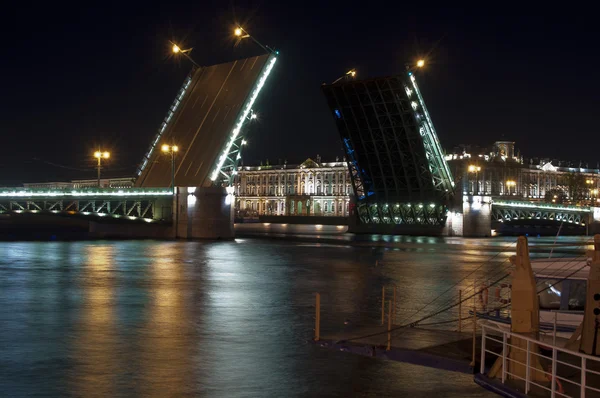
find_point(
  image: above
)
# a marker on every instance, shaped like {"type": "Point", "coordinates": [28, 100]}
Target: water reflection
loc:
{"type": "Point", "coordinates": [211, 319]}
{"type": "Point", "coordinates": [167, 339]}
{"type": "Point", "coordinates": [95, 339]}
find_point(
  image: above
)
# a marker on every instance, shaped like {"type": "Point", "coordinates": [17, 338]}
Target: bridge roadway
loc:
{"type": "Point", "coordinates": [206, 123]}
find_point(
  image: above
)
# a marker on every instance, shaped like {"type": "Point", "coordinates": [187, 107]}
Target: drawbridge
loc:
{"type": "Point", "coordinates": [207, 123]}
{"type": "Point", "coordinates": [396, 163]}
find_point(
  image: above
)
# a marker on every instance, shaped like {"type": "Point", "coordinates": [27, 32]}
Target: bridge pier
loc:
{"type": "Point", "coordinates": [203, 213]}
{"type": "Point", "coordinates": [477, 212]}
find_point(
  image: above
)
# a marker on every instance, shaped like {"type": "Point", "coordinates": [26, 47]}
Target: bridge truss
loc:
{"type": "Point", "coordinates": [396, 163]}
{"type": "Point", "coordinates": [137, 204]}
{"type": "Point", "coordinates": [508, 211]}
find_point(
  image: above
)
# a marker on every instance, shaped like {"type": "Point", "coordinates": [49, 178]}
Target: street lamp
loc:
{"type": "Point", "coordinates": [178, 50]}
{"type": "Point", "coordinates": [351, 74]}
{"type": "Point", "coordinates": [100, 155]}
{"type": "Point", "coordinates": [172, 150]}
{"type": "Point", "coordinates": [241, 34]}
{"type": "Point", "coordinates": [421, 63]}
{"type": "Point", "coordinates": [510, 183]}
{"type": "Point", "coordinates": [475, 169]}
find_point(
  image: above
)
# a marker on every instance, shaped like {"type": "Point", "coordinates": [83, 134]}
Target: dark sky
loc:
{"type": "Point", "coordinates": [73, 79]}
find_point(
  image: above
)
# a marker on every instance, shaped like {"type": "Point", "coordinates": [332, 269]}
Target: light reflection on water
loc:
{"type": "Point", "coordinates": [215, 319]}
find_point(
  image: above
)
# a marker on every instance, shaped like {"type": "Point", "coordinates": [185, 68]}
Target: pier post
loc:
{"type": "Point", "coordinates": [382, 305]}
{"type": "Point", "coordinates": [589, 337]}
{"type": "Point", "coordinates": [474, 335]}
{"type": "Point", "coordinates": [389, 334]}
{"type": "Point", "coordinates": [460, 310]}
{"type": "Point", "coordinates": [317, 317]}
{"type": "Point", "coordinates": [394, 307]}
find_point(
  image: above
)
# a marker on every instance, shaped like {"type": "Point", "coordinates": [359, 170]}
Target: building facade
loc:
{"type": "Point", "coordinates": [500, 172]}
{"type": "Point", "coordinates": [312, 188]}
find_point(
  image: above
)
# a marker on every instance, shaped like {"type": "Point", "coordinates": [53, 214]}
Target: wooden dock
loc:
{"type": "Point", "coordinates": [439, 349]}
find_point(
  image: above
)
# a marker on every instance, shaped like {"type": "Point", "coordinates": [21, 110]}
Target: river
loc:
{"type": "Point", "coordinates": [220, 319]}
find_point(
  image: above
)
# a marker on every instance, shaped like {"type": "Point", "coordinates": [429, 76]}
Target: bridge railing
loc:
{"type": "Point", "coordinates": [83, 192]}
{"type": "Point", "coordinates": [539, 205]}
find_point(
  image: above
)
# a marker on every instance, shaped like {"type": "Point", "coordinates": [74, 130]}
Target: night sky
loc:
{"type": "Point", "coordinates": [74, 79]}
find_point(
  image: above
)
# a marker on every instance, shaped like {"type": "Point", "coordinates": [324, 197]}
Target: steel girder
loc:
{"type": "Point", "coordinates": [508, 214]}
{"type": "Point", "coordinates": [402, 214]}
{"type": "Point", "coordinates": [132, 208]}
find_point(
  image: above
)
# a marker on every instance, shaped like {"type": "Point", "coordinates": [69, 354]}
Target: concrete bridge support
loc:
{"type": "Point", "coordinates": [477, 216]}
{"type": "Point", "coordinates": [203, 213]}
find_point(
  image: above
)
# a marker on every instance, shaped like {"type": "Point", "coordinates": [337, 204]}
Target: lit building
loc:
{"type": "Point", "coordinates": [312, 188]}
{"type": "Point", "coordinates": [500, 172]}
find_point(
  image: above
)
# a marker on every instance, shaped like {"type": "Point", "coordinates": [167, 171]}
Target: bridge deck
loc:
{"type": "Point", "coordinates": [203, 123]}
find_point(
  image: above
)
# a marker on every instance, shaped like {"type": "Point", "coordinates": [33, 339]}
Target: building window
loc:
{"type": "Point", "coordinates": [326, 207]}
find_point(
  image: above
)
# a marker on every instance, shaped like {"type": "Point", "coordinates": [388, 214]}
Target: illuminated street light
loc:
{"type": "Point", "coordinates": [349, 75]}
{"type": "Point", "coordinates": [100, 155]}
{"type": "Point", "coordinates": [172, 150]}
{"type": "Point", "coordinates": [178, 50]}
{"type": "Point", "coordinates": [420, 63]}
{"type": "Point", "coordinates": [475, 169]}
{"type": "Point", "coordinates": [510, 183]}
{"type": "Point", "coordinates": [241, 34]}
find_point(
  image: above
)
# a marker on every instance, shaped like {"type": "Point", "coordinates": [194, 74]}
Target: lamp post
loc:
{"type": "Point", "coordinates": [420, 63]}
{"type": "Point", "coordinates": [172, 150]}
{"type": "Point", "coordinates": [590, 183]}
{"type": "Point", "coordinates": [241, 34]}
{"type": "Point", "coordinates": [510, 183]}
{"type": "Point", "coordinates": [178, 50]}
{"type": "Point", "coordinates": [100, 155]}
{"type": "Point", "coordinates": [474, 169]}
{"type": "Point", "coordinates": [351, 74]}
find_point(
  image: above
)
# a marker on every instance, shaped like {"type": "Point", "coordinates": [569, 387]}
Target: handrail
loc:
{"type": "Point", "coordinates": [520, 336]}
{"type": "Point", "coordinates": [72, 192]}
{"type": "Point", "coordinates": [555, 379]}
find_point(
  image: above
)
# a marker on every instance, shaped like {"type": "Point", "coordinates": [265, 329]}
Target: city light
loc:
{"type": "Point", "coordinates": [351, 72]}
{"type": "Point", "coordinates": [168, 149]}
{"type": "Point", "coordinates": [99, 155]}
{"type": "Point", "coordinates": [474, 169]}
{"type": "Point", "coordinates": [172, 150]}
{"type": "Point", "coordinates": [510, 183]}
{"type": "Point", "coordinates": [421, 63]}
{"type": "Point", "coordinates": [238, 31]}
{"type": "Point", "coordinates": [178, 50]}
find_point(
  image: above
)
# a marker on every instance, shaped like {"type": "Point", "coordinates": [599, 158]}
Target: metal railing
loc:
{"type": "Point", "coordinates": [579, 362]}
